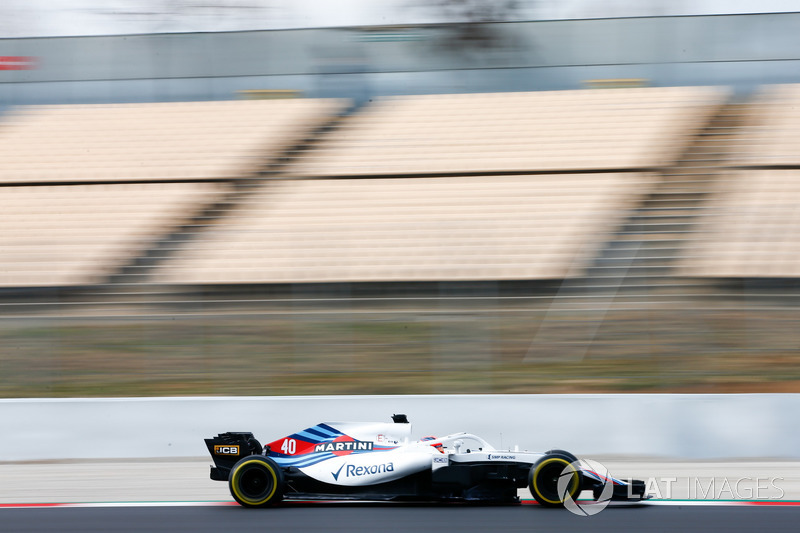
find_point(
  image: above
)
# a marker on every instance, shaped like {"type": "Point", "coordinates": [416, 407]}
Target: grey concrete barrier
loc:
{"type": "Point", "coordinates": [363, 62]}
{"type": "Point", "coordinates": [631, 425]}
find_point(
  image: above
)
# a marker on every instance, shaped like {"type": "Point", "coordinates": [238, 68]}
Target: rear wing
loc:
{"type": "Point", "coordinates": [227, 449]}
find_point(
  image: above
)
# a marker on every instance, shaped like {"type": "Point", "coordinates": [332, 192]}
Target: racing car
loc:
{"type": "Point", "coordinates": [379, 461]}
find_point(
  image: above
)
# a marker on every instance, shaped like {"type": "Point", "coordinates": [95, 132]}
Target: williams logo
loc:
{"type": "Point", "coordinates": [343, 446]}
{"type": "Point", "coordinates": [358, 471]}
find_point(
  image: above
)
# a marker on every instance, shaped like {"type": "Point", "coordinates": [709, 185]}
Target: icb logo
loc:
{"type": "Point", "coordinates": [595, 471]}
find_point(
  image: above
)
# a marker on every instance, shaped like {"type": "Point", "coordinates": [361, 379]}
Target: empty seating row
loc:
{"type": "Point", "coordinates": [81, 234]}
{"type": "Point", "coordinates": [751, 228]}
{"type": "Point", "coordinates": [451, 228]}
{"type": "Point", "coordinates": [514, 132]}
{"type": "Point", "coordinates": [136, 142]}
{"type": "Point", "coordinates": [772, 135]}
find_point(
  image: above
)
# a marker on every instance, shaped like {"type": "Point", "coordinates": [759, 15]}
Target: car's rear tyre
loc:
{"type": "Point", "coordinates": [543, 480]}
{"type": "Point", "coordinates": [256, 481]}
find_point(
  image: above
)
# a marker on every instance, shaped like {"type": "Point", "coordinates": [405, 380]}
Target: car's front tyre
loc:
{"type": "Point", "coordinates": [256, 481]}
{"type": "Point", "coordinates": [544, 477]}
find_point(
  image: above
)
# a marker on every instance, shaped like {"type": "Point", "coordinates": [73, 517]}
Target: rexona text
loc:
{"type": "Point", "coordinates": [356, 471]}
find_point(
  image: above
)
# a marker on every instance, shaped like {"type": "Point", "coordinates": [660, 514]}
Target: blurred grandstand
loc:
{"type": "Point", "coordinates": [639, 238]}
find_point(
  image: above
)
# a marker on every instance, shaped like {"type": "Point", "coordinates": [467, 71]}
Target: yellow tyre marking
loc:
{"type": "Point", "coordinates": [536, 477]}
{"type": "Point", "coordinates": [237, 474]}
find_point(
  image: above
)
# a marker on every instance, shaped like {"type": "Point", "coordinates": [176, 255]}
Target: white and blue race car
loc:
{"type": "Point", "coordinates": [378, 461]}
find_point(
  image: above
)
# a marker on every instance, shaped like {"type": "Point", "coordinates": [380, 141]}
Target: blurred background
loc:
{"type": "Point", "coordinates": [198, 198]}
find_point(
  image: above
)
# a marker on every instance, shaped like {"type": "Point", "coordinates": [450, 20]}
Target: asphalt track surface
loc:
{"type": "Point", "coordinates": [391, 518]}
